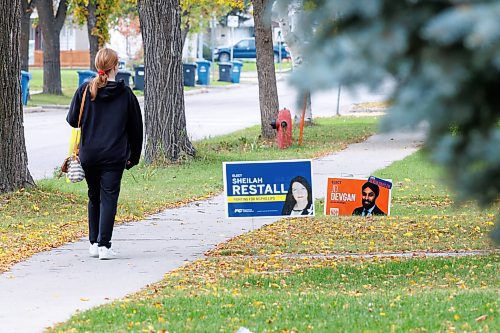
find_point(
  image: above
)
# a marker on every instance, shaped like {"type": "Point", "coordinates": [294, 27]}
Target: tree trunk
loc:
{"type": "Point", "coordinates": [51, 28]}
{"type": "Point", "coordinates": [93, 40]}
{"type": "Point", "coordinates": [26, 11]}
{"type": "Point", "coordinates": [185, 25]}
{"type": "Point", "coordinates": [268, 92]}
{"type": "Point", "coordinates": [165, 118]}
{"type": "Point", "coordinates": [14, 171]}
{"type": "Point", "coordinates": [184, 33]}
{"type": "Point", "coordinates": [288, 18]}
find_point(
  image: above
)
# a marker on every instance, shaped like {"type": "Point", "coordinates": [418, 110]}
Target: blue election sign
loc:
{"type": "Point", "coordinates": [268, 188]}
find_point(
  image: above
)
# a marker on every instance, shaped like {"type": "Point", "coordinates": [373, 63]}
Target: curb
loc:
{"type": "Point", "coordinates": [44, 108]}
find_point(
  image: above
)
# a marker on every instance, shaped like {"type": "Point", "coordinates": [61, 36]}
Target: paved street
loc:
{"type": "Point", "coordinates": [218, 111]}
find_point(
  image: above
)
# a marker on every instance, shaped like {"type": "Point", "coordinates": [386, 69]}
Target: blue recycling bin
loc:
{"type": "Point", "coordinates": [124, 76]}
{"type": "Point", "coordinates": [25, 86]}
{"type": "Point", "coordinates": [236, 71]}
{"type": "Point", "coordinates": [84, 76]}
{"type": "Point", "coordinates": [203, 72]}
{"type": "Point", "coordinates": [139, 78]}
{"type": "Point", "coordinates": [189, 71]}
{"type": "Point", "coordinates": [225, 71]}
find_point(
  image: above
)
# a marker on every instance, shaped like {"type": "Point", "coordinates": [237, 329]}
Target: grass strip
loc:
{"type": "Point", "coordinates": [273, 295]}
{"type": "Point", "coordinates": [48, 99]}
{"type": "Point", "coordinates": [69, 79]}
{"type": "Point", "coordinates": [54, 213]}
{"type": "Point", "coordinates": [425, 219]}
{"type": "Point", "coordinates": [327, 235]}
{"type": "Point", "coordinates": [370, 106]}
{"type": "Point", "coordinates": [69, 83]}
{"type": "Point", "coordinates": [251, 66]}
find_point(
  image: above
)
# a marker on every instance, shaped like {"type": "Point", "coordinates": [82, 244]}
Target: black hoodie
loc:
{"type": "Point", "coordinates": [111, 125]}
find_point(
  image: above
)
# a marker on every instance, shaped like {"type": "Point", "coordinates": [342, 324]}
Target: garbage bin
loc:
{"type": "Point", "coordinates": [203, 72]}
{"type": "Point", "coordinates": [84, 76]}
{"type": "Point", "coordinates": [125, 76]}
{"type": "Point", "coordinates": [225, 71]}
{"type": "Point", "coordinates": [25, 86]}
{"type": "Point", "coordinates": [189, 71]}
{"type": "Point", "coordinates": [139, 77]}
{"type": "Point", "coordinates": [236, 71]}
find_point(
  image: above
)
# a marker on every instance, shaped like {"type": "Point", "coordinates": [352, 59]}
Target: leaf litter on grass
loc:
{"type": "Point", "coordinates": [248, 282]}
{"type": "Point", "coordinates": [65, 206]}
{"type": "Point", "coordinates": [329, 235]}
{"type": "Point", "coordinates": [256, 292]}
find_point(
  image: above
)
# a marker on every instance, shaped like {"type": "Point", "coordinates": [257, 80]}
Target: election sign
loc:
{"type": "Point", "coordinates": [354, 196]}
{"type": "Point", "coordinates": [268, 188]}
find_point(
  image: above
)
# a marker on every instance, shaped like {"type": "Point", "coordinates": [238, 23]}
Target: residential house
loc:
{"type": "Point", "coordinates": [74, 43]}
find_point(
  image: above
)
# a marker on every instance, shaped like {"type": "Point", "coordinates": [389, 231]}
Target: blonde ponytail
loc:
{"type": "Point", "coordinates": [99, 81]}
{"type": "Point", "coordinates": [105, 60]}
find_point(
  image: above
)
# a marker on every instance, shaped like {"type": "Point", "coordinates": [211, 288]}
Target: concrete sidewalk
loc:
{"type": "Point", "coordinates": [49, 287]}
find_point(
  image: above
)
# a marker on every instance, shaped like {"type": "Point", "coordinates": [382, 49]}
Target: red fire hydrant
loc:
{"type": "Point", "coordinates": [284, 126]}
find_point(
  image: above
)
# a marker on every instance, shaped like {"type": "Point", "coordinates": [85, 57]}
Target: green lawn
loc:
{"type": "Point", "coordinates": [69, 82]}
{"type": "Point", "coordinates": [69, 79]}
{"type": "Point", "coordinates": [271, 290]}
{"type": "Point", "coordinates": [423, 218]}
{"type": "Point", "coordinates": [251, 66]}
{"type": "Point", "coordinates": [414, 295]}
{"type": "Point", "coordinates": [47, 99]}
{"type": "Point", "coordinates": [54, 213]}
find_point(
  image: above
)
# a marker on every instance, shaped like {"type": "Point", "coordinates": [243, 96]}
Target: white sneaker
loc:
{"type": "Point", "coordinates": [93, 250]}
{"type": "Point", "coordinates": [105, 253]}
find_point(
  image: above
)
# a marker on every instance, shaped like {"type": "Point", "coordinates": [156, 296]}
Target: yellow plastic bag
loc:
{"type": "Point", "coordinates": [75, 140]}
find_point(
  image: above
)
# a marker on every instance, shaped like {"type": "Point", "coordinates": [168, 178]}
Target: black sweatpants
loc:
{"type": "Point", "coordinates": [104, 188]}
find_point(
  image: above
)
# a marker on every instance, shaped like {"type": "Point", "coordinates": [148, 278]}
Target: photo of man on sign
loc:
{"type": "Point", "coordinates": [358, 197]}
{"type": "Point", "coordinates": [369, 194]}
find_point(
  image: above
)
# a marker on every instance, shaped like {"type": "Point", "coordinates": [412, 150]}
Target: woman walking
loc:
{"type": "Point", "coordinates": [111, 140]}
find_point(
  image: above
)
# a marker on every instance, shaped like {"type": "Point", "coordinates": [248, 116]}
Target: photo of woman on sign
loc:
{"type": "Point", "coordinates": [299, 199]}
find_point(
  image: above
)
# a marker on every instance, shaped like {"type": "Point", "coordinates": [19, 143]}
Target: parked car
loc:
{"type": "Point", "coordinates": [245, 49]}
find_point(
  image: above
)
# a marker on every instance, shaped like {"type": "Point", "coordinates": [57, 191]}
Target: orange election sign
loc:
{"type": "Point", "coordinates": [344, 197]}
